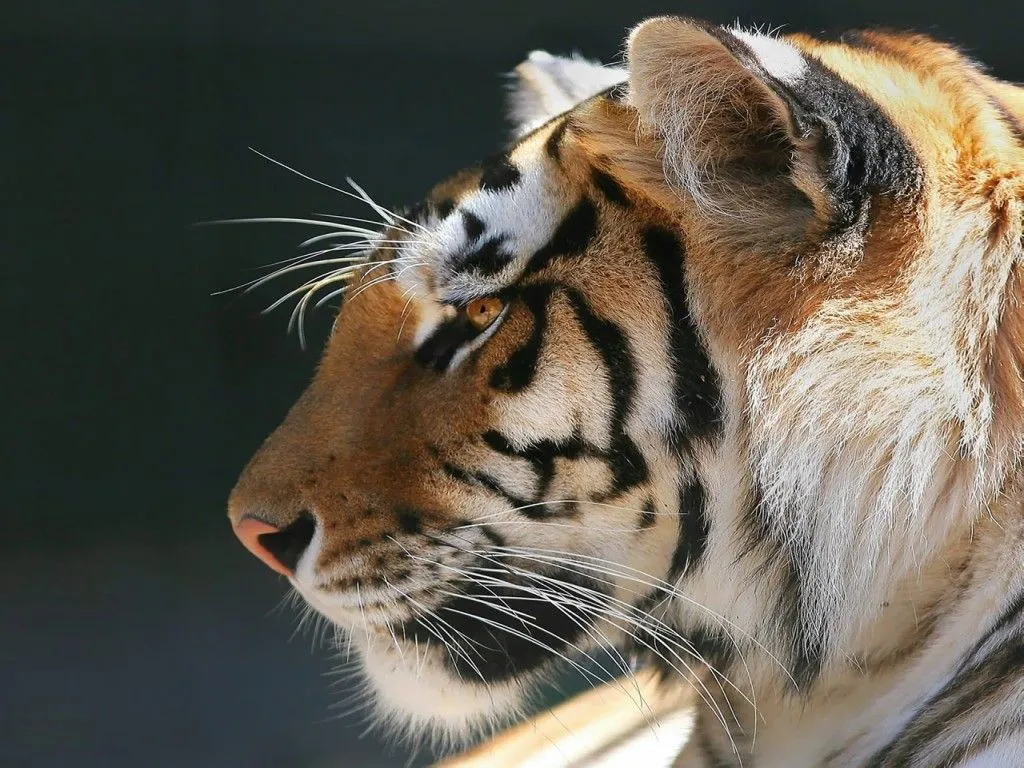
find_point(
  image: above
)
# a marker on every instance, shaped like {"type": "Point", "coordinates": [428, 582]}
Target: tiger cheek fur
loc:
{"type": "Point", "coordinates": [713, 366]}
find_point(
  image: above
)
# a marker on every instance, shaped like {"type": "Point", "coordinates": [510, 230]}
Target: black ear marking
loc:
{"type": "Point", "coordinates": [862, 152]}
{"type": "Point", "coordinates": [786, 125]}
{"type": "Point", "coordinates": [444, 207]}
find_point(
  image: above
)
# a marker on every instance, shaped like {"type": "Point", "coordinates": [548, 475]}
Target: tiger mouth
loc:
{"type": "Point", "coordinates": [489, 627]}
{"type": "Point", "coordinates": [504, 630]}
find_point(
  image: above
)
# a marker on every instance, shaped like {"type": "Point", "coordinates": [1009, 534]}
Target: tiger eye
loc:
{"type": "Point", "coordinates": [482, 312]}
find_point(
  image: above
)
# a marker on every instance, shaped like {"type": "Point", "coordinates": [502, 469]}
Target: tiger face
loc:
{"type": "Point", "coordinates": [656, 377]}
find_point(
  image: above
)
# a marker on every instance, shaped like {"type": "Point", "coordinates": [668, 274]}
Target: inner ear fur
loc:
{"type": "Point", "coordinates": [730, 139]}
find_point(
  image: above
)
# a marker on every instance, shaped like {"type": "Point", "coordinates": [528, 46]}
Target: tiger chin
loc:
{"type": "Point", "coordinates": [718, 365]}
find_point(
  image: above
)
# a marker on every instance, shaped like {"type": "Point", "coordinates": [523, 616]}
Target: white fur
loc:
{"type": "Point", "coordinates": [779, 58]}
{"type": "Point", "coordinates": [524, 214]}
{"type": "Point", "coordinates": [550, 85]}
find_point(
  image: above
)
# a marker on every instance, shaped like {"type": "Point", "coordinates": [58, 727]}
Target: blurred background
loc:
{"type": "Point", "coordinates": [134, 630]}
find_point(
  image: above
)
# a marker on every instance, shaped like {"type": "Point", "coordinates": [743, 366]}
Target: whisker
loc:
{"type": "Point", "coordinates": [665, 634]}
{"type": "Point", "coordinates": [405, 309]}
{"type": "Point", "coordinates": [333, 276]}
{"type": "Point", "coordinates": [595, 604]}
{"type": "Point", "coordinates": [632, 614]}
{"type": "Point", "coordinates": [306, 176]}
{"type": "Point", "coordinates": [274, 220]}
{"type": "Point", "coordinates": [498, 582]}
{"type": "Point", "coordinates": [381, 210]}
{"type": "Point", "coordinates": [388, 216]}
{"type": "Point", "coordinates": [660, 585]}
{"type": "Point", "coordinates": [253, 285]}
{"type": "Point", "coordinates": [365, 221]}
{"type": "Point", "coordinates": [548, 597]}
{"type": "Point", "coordinates": [327, 297]}
{"type": "Point", "coordinates": [670, 590]}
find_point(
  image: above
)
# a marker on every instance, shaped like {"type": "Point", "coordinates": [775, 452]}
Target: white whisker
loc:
{"type": "Point", "coordinates": [275, 220]}
{"type": "Point", "coordinates": [598, 600]}
{"type": "Point", "coordinates": [381, 210]}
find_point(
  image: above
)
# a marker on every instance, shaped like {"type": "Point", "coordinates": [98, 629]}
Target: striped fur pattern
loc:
{"type": "Point", "coordinates": [753, 409]}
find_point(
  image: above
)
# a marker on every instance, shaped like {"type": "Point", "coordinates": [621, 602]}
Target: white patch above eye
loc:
{"type": "Point", "coordinates": [525, 216]}
{"type": "Point", "coordinates": [779, 58]}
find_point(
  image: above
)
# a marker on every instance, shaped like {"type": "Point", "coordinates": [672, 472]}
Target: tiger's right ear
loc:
{"type": "Point", "coordinates": [546, 86]}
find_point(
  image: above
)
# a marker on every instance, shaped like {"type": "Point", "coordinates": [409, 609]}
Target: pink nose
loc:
{"type": "Point", "coordinates": [279, 548]}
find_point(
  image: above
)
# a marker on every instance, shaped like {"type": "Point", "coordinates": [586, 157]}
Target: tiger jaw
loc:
{"type": "Point", "coordinates": [414, 690]}
{"type": "Point", "coordinates": [470, 660]}
{"type": "Point", "coordinates": [462, 650]}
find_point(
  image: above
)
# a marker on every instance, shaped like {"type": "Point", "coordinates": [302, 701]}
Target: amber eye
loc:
{"type": "Point", "coordinates": [482, 312]}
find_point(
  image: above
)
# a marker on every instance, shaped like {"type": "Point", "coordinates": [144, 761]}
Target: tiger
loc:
{"type": "Point", "coordinates": [718, 369]}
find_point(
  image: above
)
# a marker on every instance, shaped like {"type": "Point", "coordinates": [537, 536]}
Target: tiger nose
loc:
{"type": "Point", "coordinates": [279, 548]}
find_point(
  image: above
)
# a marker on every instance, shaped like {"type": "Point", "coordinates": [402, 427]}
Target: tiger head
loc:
{"type": "Point", "coordinates": [699, 367]}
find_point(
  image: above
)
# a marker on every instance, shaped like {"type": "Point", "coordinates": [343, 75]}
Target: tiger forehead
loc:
{"type": "Point", "coordinates": [519, 209]}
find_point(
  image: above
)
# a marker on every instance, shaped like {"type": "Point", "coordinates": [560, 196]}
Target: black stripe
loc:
{"type": "Point", "coordinates": [571, 238]}
{"type": "Point", "coordinates": [610, 188]}
{"type": "Point", "coordinates": [496, 488]}
{"type": "Point", "coordinates": [486, 259]}
{"type": "Point", "coordinates": [479, 616]}
{"type": "Point", "coordinates": [978, 742]}
{"type": "Point", "coordinates": [553, 144]}
{"type": "Point", "coordinates": [713, 647]}
{"type": "Point", "coordinates": [629, 468]}
{"type": "Point", "coordinates": [498, 173]}
{"type": "Point", "coordinates": [710, 646]}
{"type": "Point", "coordinates": [697, 393]}
{"type": "Point", "coordinates": [473, 225]}
{"type": "Point", "coordinates": [624, 459]}
{"type": "Point", "coordinates": [1014, 612]}
{"type": "Point", "coordinates": [482, 480]}
{"type": "Point", "coordinates": [694, 527]}
{"type": "Point", "coordinates": [437, 351]}
{"type": "Point", "coordinates": [965, 696]}
{"type": "Point", "coordinates": [782, 561]}
{"type": "Point", "coordinates": [1013, 123]}
{"type": "Point", "coordinates": [496, 539]}
{"type": "Point", "coordinates": [648, 515]}
{"type": "Point", "coordinates": [541, 456]}
{"type": "Point", "coordinates": [518, 372]}
{"type": "Point", "coordinates": [978, 681]}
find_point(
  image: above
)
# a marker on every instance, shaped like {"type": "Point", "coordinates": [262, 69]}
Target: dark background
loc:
{"type": "Point", "coordinates": [134, 630]}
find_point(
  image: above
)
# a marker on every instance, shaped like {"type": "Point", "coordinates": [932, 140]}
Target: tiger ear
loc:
{"type": "Point", "coordinates": [717, 99]}
{"type": "Point", "coordinates": [752, 127]}
{"type": "Point", "coordinates": [546, 86]}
